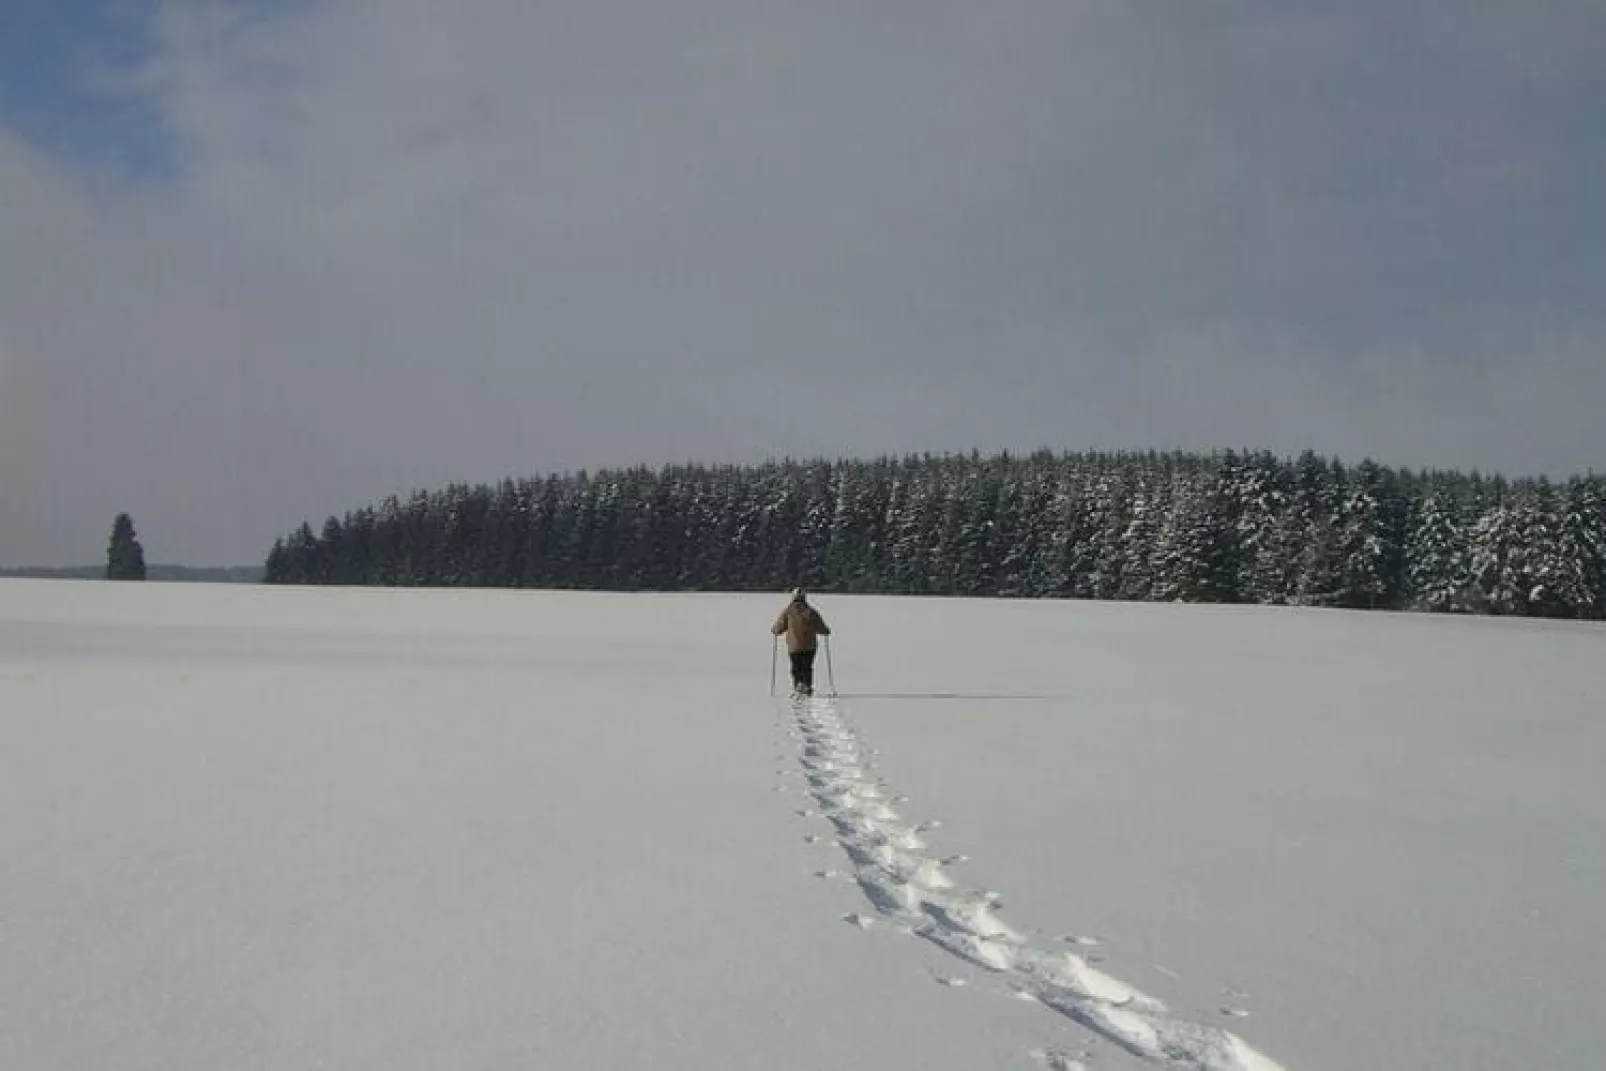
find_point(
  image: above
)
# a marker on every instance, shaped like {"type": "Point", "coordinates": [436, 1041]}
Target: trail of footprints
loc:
{"type": "Point", "coordinates": [912, 892]}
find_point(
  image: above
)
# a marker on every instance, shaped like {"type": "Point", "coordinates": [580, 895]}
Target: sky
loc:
{"type": "Point", "coordinates": [266, 262]}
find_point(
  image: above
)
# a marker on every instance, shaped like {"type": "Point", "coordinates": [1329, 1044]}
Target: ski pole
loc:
{"type": "Point", "coordinates": [774, 647]}
{"type": "Point", "coordinates": [830, 673]}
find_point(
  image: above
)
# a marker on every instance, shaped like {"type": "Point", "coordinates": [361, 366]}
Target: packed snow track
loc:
{"type": "Point", "coordinates": [913, 892]}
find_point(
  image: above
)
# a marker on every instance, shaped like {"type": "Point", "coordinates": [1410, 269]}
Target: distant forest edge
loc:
{"type": "Point", "coordinates": [1228, 527]}
{"type": "Point", "coordinates": [228, 574]}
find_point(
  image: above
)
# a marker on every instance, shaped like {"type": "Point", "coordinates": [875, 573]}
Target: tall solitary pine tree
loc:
{"type": "Point", "coordinates": [125, 558]}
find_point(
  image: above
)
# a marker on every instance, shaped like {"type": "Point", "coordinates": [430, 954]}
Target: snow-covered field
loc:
{"type": "Point", "coordinates": [292, 828]}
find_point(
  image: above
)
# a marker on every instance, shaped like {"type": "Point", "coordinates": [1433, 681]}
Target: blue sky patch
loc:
{"type": "Point", "coordinates": [50, 53]}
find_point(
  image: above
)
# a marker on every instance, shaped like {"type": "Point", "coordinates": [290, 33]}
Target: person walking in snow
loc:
{"type": "Point", "coordinates": [802, 626]}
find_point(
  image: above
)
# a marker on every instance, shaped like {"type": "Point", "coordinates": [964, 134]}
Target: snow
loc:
{"type": "Point", "coordinates": [264, 827]}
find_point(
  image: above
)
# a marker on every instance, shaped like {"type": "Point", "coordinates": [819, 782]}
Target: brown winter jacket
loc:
{"type": "Point", "coordinates": [801, 624]}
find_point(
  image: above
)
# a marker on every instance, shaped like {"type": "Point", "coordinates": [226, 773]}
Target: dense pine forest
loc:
{"type": "Point", "coordinates": [1226, 527]}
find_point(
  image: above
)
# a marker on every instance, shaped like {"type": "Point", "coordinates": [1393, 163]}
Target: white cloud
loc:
{"type": "Point", "coordinates": [407, 242]}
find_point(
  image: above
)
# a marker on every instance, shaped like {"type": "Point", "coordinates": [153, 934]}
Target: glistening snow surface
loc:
{"type": "Point", "coordinates": [253, 827]}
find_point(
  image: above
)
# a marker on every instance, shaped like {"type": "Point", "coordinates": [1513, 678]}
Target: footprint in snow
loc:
{"type": "Point", "coordinates": [1056, 1060]}
{"type": "Point", "coordinates": [950, 981]}
{"type": "Point", "coordinates": [1234, 1013]}
{"type": "Point", "coordinates": [1082, 941]}
{"type": "Point", "coordinates": [863, 922]}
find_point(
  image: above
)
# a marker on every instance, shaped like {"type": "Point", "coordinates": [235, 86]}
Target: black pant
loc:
{"type": "Point", "coordinates": [803, 670]}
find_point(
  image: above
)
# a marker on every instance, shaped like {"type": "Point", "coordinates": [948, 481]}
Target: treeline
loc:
{"type": "Point", "coordinates": [1226, 527]}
